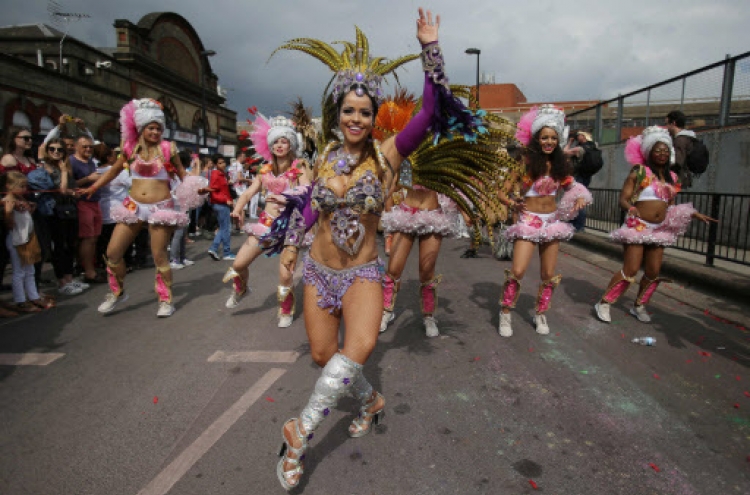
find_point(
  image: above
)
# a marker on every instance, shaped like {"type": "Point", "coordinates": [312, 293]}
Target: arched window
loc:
{"type": "Point", "coordinates": [21, 119]}
{"type": "Point", "coordinates": [45, 125]}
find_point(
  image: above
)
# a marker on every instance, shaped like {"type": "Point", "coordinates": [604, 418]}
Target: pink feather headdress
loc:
{"type": "Point", "coordinates": [523, 131]}
{"type": "Point", "coordinates": [128, 130]}
{"type": "Point", "coordinates": [633, 153]}
{"type": "Point", "coordinates": [259, 136]}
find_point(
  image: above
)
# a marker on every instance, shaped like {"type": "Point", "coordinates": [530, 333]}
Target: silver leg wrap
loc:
{"type": "Point", "coordinates": [361, 388]}
{"type": "Point", "coordinates": [335, 382]}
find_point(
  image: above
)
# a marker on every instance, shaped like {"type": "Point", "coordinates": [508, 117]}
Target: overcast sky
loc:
{"type": "Point", "coordinates": [552, 50]}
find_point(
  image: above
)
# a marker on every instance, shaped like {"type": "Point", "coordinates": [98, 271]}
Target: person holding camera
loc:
{"type": "Point", "coordinates": [586, 160]}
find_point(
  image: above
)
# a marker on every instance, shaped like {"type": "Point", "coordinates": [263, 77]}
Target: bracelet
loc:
{"type": "Point", "coordinates": [294, 249]}
{"type": "Point", "coordinates": [632, 207]}
{"type": "Point", "coordinates": [433, 63]}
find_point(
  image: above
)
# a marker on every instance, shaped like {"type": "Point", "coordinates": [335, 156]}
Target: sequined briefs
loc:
{"type": "Point", "coordinates": [333, 284]}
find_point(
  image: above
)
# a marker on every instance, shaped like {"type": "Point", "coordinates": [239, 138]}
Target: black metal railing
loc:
{"type": "Point", "coordinates": [729, 239]}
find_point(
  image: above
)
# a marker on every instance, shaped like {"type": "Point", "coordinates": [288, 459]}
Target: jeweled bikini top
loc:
{"type": "Point", "coordinates": [544, 186]}
{"type": "Point", "coordinates": [364, 194]}
{"type": "Point", "coordinates": [152, 169]}
{"type": "Point", "coordinates": [648, 187]}
{"type": "Point", "coordinates": [277, 184]}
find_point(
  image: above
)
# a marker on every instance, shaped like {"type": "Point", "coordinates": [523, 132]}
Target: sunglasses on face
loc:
{"type": "Point", "coordinates": [53, 149]}
{"type": "Point", "coordinates": [25, 138]}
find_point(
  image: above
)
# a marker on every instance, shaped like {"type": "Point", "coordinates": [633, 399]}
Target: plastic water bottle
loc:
{"type": "Point", "coordinates": [644, 341]}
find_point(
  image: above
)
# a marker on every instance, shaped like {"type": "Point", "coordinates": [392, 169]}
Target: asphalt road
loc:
{"type": "Point", "coordinates": [135, 405]}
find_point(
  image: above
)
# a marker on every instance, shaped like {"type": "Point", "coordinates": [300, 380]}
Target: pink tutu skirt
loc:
{"type": "Point", "coordinates": [187, 192]}
{"type": "Point", "coordinates": [637, 231]}
{"type": "Point", "coordinates": [442, 221]}
{"type": "Point", "coordinates": [539, 228]}
{"type": "Point", "coordinates": [161, 213]}
{"type": "Point", "coordinates": [261, 227]}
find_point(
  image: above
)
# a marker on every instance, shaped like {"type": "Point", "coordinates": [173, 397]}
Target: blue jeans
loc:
{"type": "Point", "coordinates": [223, 236]}
{"type": "Point", "coordinates": [579, 222]}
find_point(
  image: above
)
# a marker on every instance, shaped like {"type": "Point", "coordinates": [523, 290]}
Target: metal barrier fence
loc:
{"type": "Point", "coordinates": [727, 240]}
{"type": "Point", "coordinates": [717, 95]}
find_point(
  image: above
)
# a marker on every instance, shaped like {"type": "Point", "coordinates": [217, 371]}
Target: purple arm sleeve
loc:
{"type": "Point", "coordinates": [310, 215]}
{"type": "Point", "coordinates": [409, 138]}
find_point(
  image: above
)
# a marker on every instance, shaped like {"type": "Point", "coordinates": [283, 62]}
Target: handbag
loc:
{"type": "Point", "coordinates": [66, 209]}
{"type": "Point", "coordinates": [31, 252]}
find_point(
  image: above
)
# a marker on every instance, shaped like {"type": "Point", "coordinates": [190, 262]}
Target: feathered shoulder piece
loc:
{"type": "Point", "coordinates": [394, 114]}
{"type": "Point", "coordinates": [468, 169]}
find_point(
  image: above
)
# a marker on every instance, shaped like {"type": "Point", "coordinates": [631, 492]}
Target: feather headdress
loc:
{"type": "Point", "coordinates": [353, 67]}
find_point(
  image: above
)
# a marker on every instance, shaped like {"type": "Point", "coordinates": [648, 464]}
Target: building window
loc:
{"type": "Point", "coordinates": [45, 125]}
{"type": "Point", "coordinates": [21, 119]}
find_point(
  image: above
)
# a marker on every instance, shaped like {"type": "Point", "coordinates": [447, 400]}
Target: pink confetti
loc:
{"type": "Point", "coordinates": [738, 378]}
{"type": "Point", "coordinates": [533, 484]}
{"type": "Point", "coordinates": [654, 467]}
{"type": "Point", "coordinates": [531, 349]}
{"type": "Point", "coordinates": [156, 400]}
{"type": "Point", "coordinates": [657, 376]}
{"type": "Point", "coordinates": [736, 405]}
{"type": "Point", "coordinates": [704, 353]}
{"type": "Point", "coordinates": [747, 394]}
{"type": "Point", "coordinates": [269, 399]}
{"type": "Point", "coordinates": [476, 358]}
{"type": "Point", "coordinates": [622, 335]}
{"type": "Point", "coordinates": [689, 361]}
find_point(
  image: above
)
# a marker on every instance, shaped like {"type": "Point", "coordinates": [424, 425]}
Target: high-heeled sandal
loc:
{"type": "Point", "coordinates": [287, 478]}
{"type": "Point", "coordinates": [362, 424]}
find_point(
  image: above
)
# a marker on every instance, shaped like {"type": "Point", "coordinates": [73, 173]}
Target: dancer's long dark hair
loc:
{"type": "Point", "coordinates": [536, 160]}
{"type": "Point", "coordinates": [369, 150]}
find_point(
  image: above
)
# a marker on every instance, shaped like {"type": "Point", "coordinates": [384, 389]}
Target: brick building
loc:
{"type": "Point", "coordinates": [510, 102]}
{"type": "Point", "coordinates": [160, 57]}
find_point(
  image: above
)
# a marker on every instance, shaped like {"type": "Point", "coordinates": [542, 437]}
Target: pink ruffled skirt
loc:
{"type": "Point", "coordinates": [539, 228]}
{"type": "Point", "coordinates": [261, 227]}
{"type": "Point", "coordinates": [161, 213]}
{"type": "Point", "coordinates": [637, 231]}
{"type": "Point", "coordinates": [417, 222]}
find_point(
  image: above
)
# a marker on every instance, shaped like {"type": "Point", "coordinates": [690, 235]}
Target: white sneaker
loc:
{"type": "Point", "coordinates": [541, 324]}
{"type": "Point", "coordinates": [430, 326]}
{"type": "Point", "coordinates": [187, 262]}
{"type": "Point", "coordinates": [174, 265]}
{"type": "Point", "coordinates": [214, 255]}
{"type": "Point", "coordinates": [69, 289]}
{"type": "Point", "coordinates": [602, 311]}
{"type": "Point", "coordinates": [80, 285]}
{"type": "Point", "coordinates": [640, 313]}
{"type": "Point", "coordinates": [385, 320]}
{"type": "Point", "coordinates": [285, 321]}
{"type": "Point", "coordinates": [505, 329]}
{"type": "Point", "coordinates": [111, 301]}
{"type": "Point", "coordinates": [165, 309]}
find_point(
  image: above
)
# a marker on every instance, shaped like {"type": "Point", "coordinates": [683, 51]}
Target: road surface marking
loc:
{"type": "Point", "coordinates": [254, 357]}
{"type": "Point", "coordinates": [165, 480]}
{"type": "Point", "coordinates": [30, 358]}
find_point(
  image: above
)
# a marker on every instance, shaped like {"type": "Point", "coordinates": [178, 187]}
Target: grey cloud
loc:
{"type": "Point", "coordinates": [552, 50]}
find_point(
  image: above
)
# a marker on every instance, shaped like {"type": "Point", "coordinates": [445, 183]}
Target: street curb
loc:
{"type": "Point", "coordinates": [713, 280]}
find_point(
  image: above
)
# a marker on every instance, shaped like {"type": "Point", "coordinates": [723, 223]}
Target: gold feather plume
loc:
{"type": "Point", "coordinates": [354, 56]}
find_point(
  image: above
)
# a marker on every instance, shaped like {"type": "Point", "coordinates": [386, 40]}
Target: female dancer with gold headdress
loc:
{"type": "Point", "coordinates": [343, 275]}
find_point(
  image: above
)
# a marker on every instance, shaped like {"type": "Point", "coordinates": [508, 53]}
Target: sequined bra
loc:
{"type": "Point", "coordinates": [649, 188]}
{"type": "Point", "coordinates": [277, 184]}
{"type": "Point", "coordinates": [364, 194]}
{"type": "Point", "coordinates": [152, 169]}
{"type": "Point", "coordinates": [544, 186]}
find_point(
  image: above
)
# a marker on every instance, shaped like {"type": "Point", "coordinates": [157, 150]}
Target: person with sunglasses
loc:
{"type": "Point", "coordinates": [61, 132]}
{"type": "Point", "coordinates": [61, 219]}
{"type": "Point", "coordinates": [18, 147]}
